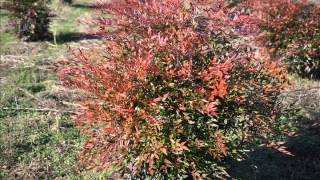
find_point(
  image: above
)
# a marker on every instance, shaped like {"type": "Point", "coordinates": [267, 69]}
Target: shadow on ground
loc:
{"type": "Point", "coordinates": [74, 37]}
{"type": "Point", "coordinates": [84, 6]}
{"type": "Point", "coordinates": [89, 6]}
{"type": "Point", "coordinates": [265, 163]}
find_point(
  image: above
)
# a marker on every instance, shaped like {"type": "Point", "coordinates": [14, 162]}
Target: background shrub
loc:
{"type": "Point", "coordinates": [176, 89]}
{"type": "Point", "coordinates": [33, 18]}
{"type": "Point", "coordinates": [291, 32]}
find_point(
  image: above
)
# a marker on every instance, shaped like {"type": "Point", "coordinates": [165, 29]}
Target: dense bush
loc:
{"type": "Point", "coordinates": [33, 18]}
{"type": "Point", "coordinates": [291, 32]}
{"type": "Point", "coordinates": [176, 89]}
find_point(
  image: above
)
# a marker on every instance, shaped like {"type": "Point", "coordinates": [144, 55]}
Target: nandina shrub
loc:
{"type": "Point", "coordinates": [33, 18]}
{"type": "Point", "coordinates": [176, 89]}
{"type": "Point", "coordinates": [291, 31]}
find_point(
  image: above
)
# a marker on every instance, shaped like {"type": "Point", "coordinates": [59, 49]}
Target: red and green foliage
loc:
{"type": "Point", "coordinates": [176, 89]}
{"type": "Point", "coordinates": [291, 32]}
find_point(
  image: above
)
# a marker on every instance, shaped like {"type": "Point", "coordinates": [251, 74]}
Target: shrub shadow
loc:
{"type": "Point", "coordinates": [84, 6]}
{"type": "Point", "coordinates": [89, 6]}
{"type": "Point", "coordinates": [265, 163]}
{"type": "Point", "coordinates": [74, 37]}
